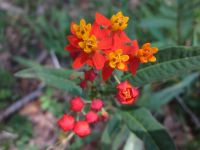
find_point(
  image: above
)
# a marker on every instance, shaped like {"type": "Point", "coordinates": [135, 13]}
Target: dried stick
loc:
{"type": "Point", "coordinates": [30, 97]}
{"type": "Point", "coordinates": [21, 102]}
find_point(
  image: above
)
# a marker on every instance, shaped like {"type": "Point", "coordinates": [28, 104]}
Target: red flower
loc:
{"type": "Point", "coordinates": [82, 128]}
{"type": "Point", "coordinates": [90, 75]}
{"type": "Point", "coordinates": [96, 104]}
{"type": "Point", "coordinates": [66, 123]}
{"type": "Point", "coordinates": [91, 117]}
{"type": "Point", "coordinates": [86, 43]}
{"type": "Point", "coordinates": [117, 22]}
{"type": "Point", "coordinates": [77, 104]}
{"type": "Point", "coordinates": [127, 94]}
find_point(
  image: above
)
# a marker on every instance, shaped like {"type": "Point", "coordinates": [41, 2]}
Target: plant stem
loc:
{"type": "Point", "coordinates": [116, 78]}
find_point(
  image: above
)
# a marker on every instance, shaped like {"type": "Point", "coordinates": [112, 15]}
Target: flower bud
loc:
{"type": "Point", "coordinates": [96, 104]}
{"type": "Point", "coordinates": [91, 117]}
{"type": "Point", "coordinates": [127, 94]}
{"type": "Point", "coordinates": [77, 104]}
{"type": "Point", "coordinates": [82, 128]}
{"type": "Point", "coordinates": [66, 123]}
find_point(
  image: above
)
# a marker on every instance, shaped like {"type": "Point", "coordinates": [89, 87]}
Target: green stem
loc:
{"type": "Point", "coordinates": [116, 78]}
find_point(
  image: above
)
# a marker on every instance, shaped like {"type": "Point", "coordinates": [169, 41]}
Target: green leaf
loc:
{"type": "Point", "coordinates": [166, 95]}
{"type": "Point", "coordinates": [171, 62]}
{"type": "Point", "coordinates": [58, 78]}
{"type": "Point", "coordinates": [145, 126]}
{"type": "Point", "coordinates": [111, 130]}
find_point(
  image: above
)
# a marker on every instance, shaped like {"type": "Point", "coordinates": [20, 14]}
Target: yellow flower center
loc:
{"type": "Point", "coordinates": [83, 29]}
{"type": "Point", "coordinates": [117, 59]}
{"type": "Point", "coordinates": [88, 44]}
{"type": "Point", "coordinates": [119, 21]}
{"type": "Point", "coordinates": [146, 53]}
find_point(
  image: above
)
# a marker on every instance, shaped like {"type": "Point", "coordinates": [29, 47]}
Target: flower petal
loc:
{"type": "Point", "coordinates": [102, 20]}
{"type": "Point", "coordinates": [98, 60]}
{"type": "Point", "coordinates": [106, 72]}
{"type": "Point", "coordinates": [80, 61]}
{"type": "Point", "coordinates": [134, 63]}
{"type": "Point", "coordinates": [73, 40]}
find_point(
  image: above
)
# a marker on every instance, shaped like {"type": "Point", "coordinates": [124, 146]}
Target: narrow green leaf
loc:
{"type": "Point", "coordinates": [166, 95]}
{"type": "Point", "coordinates": [58, 78]}
{"type": "Point", "coordinates": [145, 126]}
{"type": "Point", "coordinates": [170, 62]}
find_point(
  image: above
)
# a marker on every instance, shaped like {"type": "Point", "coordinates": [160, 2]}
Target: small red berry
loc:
{"type": "Point", "coordinates": [66, 123]}
{"type": "Point", "coordinates": [91, 117]}
{"type": "Point", "coordinates": [77, 104]}
{"type": "Point", "coordinates": [96, 104]}
{"type": "Point", "coordinates": [82, 128]}
{"type": "Point", "coordinates": [90, 75]}
{"type": "Point", "coordinates": [83, 84]}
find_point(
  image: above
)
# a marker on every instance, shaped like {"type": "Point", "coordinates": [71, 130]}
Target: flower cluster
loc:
{"type": "Point", "coordinates": [81, 127]}
{"type": "Point", "coordinates": [105, 46]}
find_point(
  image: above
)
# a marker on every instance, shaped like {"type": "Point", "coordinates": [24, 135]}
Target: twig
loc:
{"type": "Point", "coordinates": [63, 144]}
{"type": "Point", "coordinates": [7, 135]}
{"type": "Point", "coordinates": [21, 102]}
{"type": "Point", "coordinates": [30, 97]}
{"type": "Point", "coordinates": [55, 59]}
{"type": "Point", "coordinates": [10, 8]}
{"type": "Point", "coordinates": [188, 111]}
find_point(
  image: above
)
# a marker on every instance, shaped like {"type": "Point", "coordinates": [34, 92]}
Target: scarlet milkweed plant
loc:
{"type": "Point", "coordinates": [115, 68]}
{"type": "Point", "coordinates": [103, 46]}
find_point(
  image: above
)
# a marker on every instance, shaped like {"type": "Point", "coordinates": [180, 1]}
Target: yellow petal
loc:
{"type": "Point", "coordinates": [81, 44]}
{"type": "Point", "coordinates": [126, 19]}
{"type": "Point", "coordinates": [121, 66]}
{"type": "Point", "coordinates": [82, 22]}
{"type": "Point", "coordinates": [125, 58]}
{"type": "Point", "coordinates": [119, 14]}
{"type": "Point", "coordinates": [112, 64]}
{"type": "Point", "coordinates": [111, 55]}
{"type": "Point", "coordinates": [87, 50]}
{"type": "Point", "coordinates": [118, 51]}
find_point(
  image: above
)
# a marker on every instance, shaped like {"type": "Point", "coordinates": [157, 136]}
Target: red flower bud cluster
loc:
{"type": "Point", "coordinates": [82, 127]}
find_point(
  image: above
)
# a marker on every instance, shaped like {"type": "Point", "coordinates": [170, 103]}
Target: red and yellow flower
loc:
{"type": "Point", "coordinates": [87, 43]}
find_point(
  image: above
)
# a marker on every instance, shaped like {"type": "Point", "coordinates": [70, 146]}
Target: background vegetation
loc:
{"type": "Point", "coordinates": [32, 35]}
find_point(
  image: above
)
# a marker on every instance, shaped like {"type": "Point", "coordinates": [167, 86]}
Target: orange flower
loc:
{"type": "Point", "coordinates": [146, 53]}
